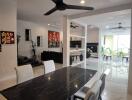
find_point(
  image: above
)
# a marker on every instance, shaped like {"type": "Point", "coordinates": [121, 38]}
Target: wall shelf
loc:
{"type": "Point", "coordinates": [77, 36]}
{"type": "Point", "coordinates": [76, 50]}
{"type": "Point", "coordinates": [75, 55]}
{"type": "Point", "coordinates": [78, 63]}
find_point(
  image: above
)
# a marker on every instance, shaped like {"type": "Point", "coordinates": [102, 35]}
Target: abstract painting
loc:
{"type": "Point", "coordinates": [7, 37]}
{"type": "Point", "coordinates": [53, 39]}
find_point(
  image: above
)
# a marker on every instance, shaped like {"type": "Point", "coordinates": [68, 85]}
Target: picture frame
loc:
{"type": "Point", "coordinates": [27, 34]}
{"type": "Point", "coordinates": [38, 41]}
{"type": "Point", "coordinates": [53, 39]}
{"type": "Point", "coordinates": [7, 37]}
{"type": "Point", "coordinates": [0, 44]}
{"type": "Point", "coordinates": [0, 48]}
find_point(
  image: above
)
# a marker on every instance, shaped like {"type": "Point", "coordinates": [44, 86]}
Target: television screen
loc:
{"type": "Point", "coordinates": [74, 44]}
{"type": "Point", "coordinates": [93, 47]}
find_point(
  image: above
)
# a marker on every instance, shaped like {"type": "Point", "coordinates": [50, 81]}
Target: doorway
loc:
{"type": "Point", "coordinates": [115, 52]}
{"type": "Point", "coordinates": [111, 34]}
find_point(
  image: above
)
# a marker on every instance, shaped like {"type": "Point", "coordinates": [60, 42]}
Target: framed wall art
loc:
{"type": "Point", "coordinates": [38, 41]}
{"type": "Point", "coordinates": [0, 48]}
{"type": "Point", "coordinates": [27, 34]}
{"type": "Point", "coordinates": [53, 39]}
{"type": "Point", "coordinates": [0, 44]}
{"type": "Point", "coordinates": [7, 37]}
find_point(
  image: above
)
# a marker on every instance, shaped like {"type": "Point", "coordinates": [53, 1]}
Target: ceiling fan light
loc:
{"type": "Point", "coordinates": [82, 1]}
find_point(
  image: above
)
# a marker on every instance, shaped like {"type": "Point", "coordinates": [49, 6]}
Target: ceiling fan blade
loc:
{"type": "Point", "coordinates": [117, 28]}
{"type": "Point", "coordinates": [113, 28]}
{"type": "Point", "coordinates": [51, 11]}
{"type": "Point", "coordinates": [79, 7]}
{"type": "Point", "coordinates": [56, 1]}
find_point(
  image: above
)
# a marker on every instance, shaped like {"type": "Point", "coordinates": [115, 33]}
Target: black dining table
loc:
{"type": "Point", "coordinates": [58, 85]}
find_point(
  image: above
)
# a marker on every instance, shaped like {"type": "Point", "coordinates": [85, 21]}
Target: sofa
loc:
{"type": "Point", "coordinates": [51, 55]}
{"type": "Point", "coordinates": [23, 60]}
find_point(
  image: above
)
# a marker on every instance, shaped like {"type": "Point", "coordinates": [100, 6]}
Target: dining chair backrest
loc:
{"type": "Point", "coordinates": [81, 93]}
{"type": "Point", "coordinates": [49, 66]}
{"type": "Point", "coordinates": [93, 93]}
{"type": "Point", "coordinates": [24, 73]}
{"type": "Point", "coordinates": [94, 78]}
{"type": "Point", "coordinates": [102, 78]}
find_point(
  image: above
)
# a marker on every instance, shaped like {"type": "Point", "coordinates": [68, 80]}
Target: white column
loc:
{"type": "Point", "coordinates": [66, 41]}
{"type": "Point", "coordinates": [130, 63]}
{"type": "Point", "coordinates": [85, 44]}
{"type": "Point", "coordinates": [8, 56]}
{"type": "Point", "coordinates": [100, 67]}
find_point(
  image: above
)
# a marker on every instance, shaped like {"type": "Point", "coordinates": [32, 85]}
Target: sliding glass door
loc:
{"type": "Point", "coordinates": [114, 53]}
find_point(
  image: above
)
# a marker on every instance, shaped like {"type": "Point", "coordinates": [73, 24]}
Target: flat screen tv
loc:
{"type": "Point", "coordinates": [93, 47]}
{"type": "Point", "coordinates": [74, 44]}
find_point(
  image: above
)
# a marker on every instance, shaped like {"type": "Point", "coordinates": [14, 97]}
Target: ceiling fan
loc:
{"type": "Point", "coordinates": [73, 26]}
{"type": "Point", "coordinates": [119, 27]}
{"type": "Point", "coordinates": [60, 5]}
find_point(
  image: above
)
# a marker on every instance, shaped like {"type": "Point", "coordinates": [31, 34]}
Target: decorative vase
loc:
{"type": "Point", "coordinates": [81, 57]}
{"type": "Point", "coordinates": [70, 60]}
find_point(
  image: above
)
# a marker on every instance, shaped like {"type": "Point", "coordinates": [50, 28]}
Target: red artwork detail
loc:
{"type": "Point", "coordinates": [7, 37]}
{"type": "Point", "coordinates": [53, 39]}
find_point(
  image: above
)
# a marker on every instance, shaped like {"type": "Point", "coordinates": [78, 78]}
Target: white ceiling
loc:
{"type": "Point", "coordinates": [33, 10]}
{"type": "Point", "coordinates": [108, 19]}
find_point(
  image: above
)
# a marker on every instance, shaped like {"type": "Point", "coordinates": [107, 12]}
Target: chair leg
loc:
{"type": "Point", "coordinates": [100, 98]}
{"type": "Point", "coordinates": [69, 99]}
{"type": "Point", "coordinates": [75, 98]}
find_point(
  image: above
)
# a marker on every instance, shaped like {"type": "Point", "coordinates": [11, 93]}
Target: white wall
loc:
{"type": "Point", "coordinates": [78, 30]}
{"type": "Point", "coordinates": [8, 56]}
{"type": "Point", "coordinates": [93, 35]}
{"type": "Point", "coordinates": [36, 30]}
{"type": "Point", "coordinates": [130, 67]}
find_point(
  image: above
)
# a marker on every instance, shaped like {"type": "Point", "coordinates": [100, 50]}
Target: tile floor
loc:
{"type": "Point", "coordinates": [114, 91]}
{"type": "Point", "coordinates": [116, 81]}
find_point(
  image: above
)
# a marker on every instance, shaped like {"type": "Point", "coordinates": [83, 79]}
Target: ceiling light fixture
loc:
{"type": "Point", "coordinates": [48, 24]}
{"type": "Point", "coordinates": [82, 1]}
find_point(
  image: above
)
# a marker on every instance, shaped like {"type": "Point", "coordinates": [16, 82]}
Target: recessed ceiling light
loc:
{"type": "Point", "coordinates": [82, 1]}
{"type": "Point", "coordinates": [48, 24]}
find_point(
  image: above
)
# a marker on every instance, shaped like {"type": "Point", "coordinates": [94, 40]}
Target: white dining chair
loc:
{"type": "Point", "coordinates": [81, 94]}
{"type": "Point", "coordinates": [24, 73]}
{"type": "Point", "coordinates": [2, 97]}
{"type": "Point", "coordinates": [93, 93]}
{"type": "Point", "coordinates": [49, 66]}
{"type": "Point", "coordinates": [89, 93]}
